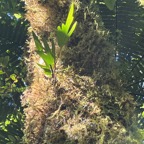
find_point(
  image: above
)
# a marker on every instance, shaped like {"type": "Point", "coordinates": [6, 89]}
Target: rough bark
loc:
{"type": "Point", "coordinates": [87, 104]}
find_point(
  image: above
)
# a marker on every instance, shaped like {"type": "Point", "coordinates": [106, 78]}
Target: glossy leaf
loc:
{"type": "Point", "coordinates": [48, 58]}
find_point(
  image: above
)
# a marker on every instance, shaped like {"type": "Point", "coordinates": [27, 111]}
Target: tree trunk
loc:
{"type": "Point", "coordinates": [87, 104]}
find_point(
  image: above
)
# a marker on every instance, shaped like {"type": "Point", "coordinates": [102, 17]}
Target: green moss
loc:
{"type": "Point", "coordinates": [88, 104]}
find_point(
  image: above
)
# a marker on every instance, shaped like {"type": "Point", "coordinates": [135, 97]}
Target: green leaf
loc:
{"type": "Point", "coordinates": [72, 29]}
{"type": "Point", "coordinates": [43, 66]}
{"type": "Point", "coordinates": [59, 28]}
{"type": "Point", "coordinates": [48, 58]}
{"type": "Point", "coordinates": [53, 49]}
{"type": "Point", "coordinates": [65, 30]}
{"type": "Point", "coordinates": [70, 15]}
{"type": "Point", "coordinates": [47, 69]}
{"type": "Point", "coordinates": [143, 114]}
{"type": "Point", "coordinates": [7, 122]}
{"type": "Point", "coordinates": [1, 72]}
{"type": "Point", "coordinates": [110, 4]}
{"type": "Point", "coordinates": [62, 38]}
{"type": "Point", "coordinates": [13, 77]}
{"type": "Point", "coordinates": [18, 15]}
{"type": "Point", "coordinates": [48, 72]}
{"type": "Point", "coordinates": [46, 53]}
{"type": "Point", "coordinates": [37, 42]}
{"type": "Point", "coordinates": [46, 46]}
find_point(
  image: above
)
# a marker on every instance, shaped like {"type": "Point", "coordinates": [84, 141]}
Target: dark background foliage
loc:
{"type": "Point", "coordinates": [13, 34]}
{"type": "Point", "coordinates": [126, 25]}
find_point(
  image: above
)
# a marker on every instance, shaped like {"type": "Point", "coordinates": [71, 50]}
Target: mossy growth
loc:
{"type": "Point", "coordinates": [87, 104]}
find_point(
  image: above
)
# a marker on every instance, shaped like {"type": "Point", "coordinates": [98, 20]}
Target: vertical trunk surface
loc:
{"type": "Point", "coordinates": [87, 104]}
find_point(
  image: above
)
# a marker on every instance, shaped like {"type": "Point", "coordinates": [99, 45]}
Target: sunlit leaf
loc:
{"type": "Point", "coordinates": [18, 15]}
{"type": "Point", "coordinates": [7, 122]}
{"type": "Point", "coordinates": [48, 72]}
{"type": "Point", "coordinates": [65, 30]}
{"type": "Point", "coordinates": [70, 15]}
{"type": "Point", "coordinates": [48, 58]}
{"type": "Point", "coordinates": [143, 114]}
{"type": "Point", "coordinates": [44, 66]}
{"type": "Point", "coordinates": [37, 42]}
{"type": "Point", "coordinates": [13, 77]}
{"type": "Point", "coordinates": [1, 72]}
{"type": "Point", "coordinates": [72, 29]}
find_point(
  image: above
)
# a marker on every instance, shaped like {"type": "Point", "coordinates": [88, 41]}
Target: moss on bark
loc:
{"type": "Point", "coordinates": [88, 103]}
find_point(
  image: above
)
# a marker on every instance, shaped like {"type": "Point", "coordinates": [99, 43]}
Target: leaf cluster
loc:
{"type": "Point", "coordinates": [47, 54]}
{"type": "Point", "coordinates": [66, 30]}
{"type": "Point", "coordinates": [63, 34]}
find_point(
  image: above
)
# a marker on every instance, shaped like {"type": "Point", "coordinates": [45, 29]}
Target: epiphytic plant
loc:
{"type": "Point", "coordinates": [46, 52]}
{"type": "Point", "coordinates": [66, 30]}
